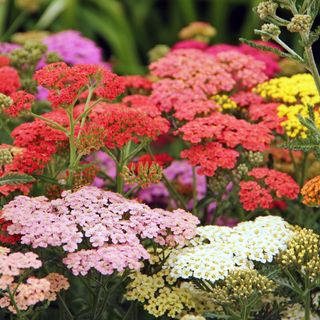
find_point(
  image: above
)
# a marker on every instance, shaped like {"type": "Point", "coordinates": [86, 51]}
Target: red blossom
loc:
{"type": "Point", "coordinates": [21, 101]}
{"type": "Point", "coordinates": [4, 61]}
{"type": "Point", "coordinates": [66, 83]}
{"type": "Point", "coordinates": [228, 130]}
{"type": "Point", "coordinates": [252, 196]}
{"type": "Point", "coordinates": [267, 114]}
{"type": "Point", "coordinates": [163, 160]}
{"type": "Point", "coordinates": [283, 185]}
{"type": "Point", "coordinates": [210, 157]}
{"type": "Point", "coordinates": [9, 80]}
{"type": "Point", "coordinates": [5, 238]}
{"type": "Point", "coordinates": [137, 82]}
{"type": "Point", "coordinates": [246, 98]}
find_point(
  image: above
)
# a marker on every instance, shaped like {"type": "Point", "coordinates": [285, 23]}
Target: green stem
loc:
{"type": "Point", "coordinates": [287, 48]}
{"type": "Point", "coordinates": [86, 107]}
{"type": "Point", "coordinates": [307, 298]}
{"type": "Point", "coordinates": [125, 150]}
{"type": "Point", "coordinates": [54, 124]}
{"type": "Point", "coordinates": [303, 169]}
{"type": "Point", "coordinates": [311, 64]}
{"type": "Point", "coordinates": [195, 193]}
{"type": "Point", "coordinates": [168, 184]}
{"type": "Point", "coordinates": [73, 150]}
{"type": "Point", "coordinates": [65, 307]}
{"type": "Point", "coordinates": [15, 25]}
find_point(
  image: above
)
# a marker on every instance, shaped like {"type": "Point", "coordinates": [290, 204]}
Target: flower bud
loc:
{"type": "Point", "coordinates": [300, 23]}
{"type": "Point", "coordinates": [158, 52]}
{"type": "Point", "coordinates": [200, 31]}
{"type": "Point", "coordinates": [5, 157]}
{"type": "Point", "coordinates": [5, 102]}
{"type": "Point", "coordinates": [266, 9]}
{"type": "Point", "coordinates": [272, 30]}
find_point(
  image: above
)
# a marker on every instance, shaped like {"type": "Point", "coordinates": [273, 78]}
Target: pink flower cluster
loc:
{"type": "Point", "coordinates": [111, 224]}
{"type": "Point", "coordinates": [33, 290]}
{"type": "Point", "coordinates": [191, 76]}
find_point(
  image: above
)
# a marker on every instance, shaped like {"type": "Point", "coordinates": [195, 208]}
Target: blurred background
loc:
{"type": "Point", "coordinates": [128, 29]}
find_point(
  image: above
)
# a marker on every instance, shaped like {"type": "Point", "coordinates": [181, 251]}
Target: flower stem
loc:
{"type": "Point", "coordinates": [307, 298]}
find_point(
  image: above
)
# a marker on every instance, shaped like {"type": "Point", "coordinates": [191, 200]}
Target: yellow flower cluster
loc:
{"type": "Point", "coordinates": [294, 95]}
{"type": "Point", "coordinates": [240, 285]}
{"type": "Point", "coordinates": [302, 253]}
{"type": "Point", "coordinates": [159, 295]}
{"type": "Point", "coordinates": [224, 102]}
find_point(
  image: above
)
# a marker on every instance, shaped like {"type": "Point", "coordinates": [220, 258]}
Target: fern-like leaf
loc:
{"type": "Point", "coordinates": [15, 178]}
{"type": "Point", "coordinates": [269, 49]}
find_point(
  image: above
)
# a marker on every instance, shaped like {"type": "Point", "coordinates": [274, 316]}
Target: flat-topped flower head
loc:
{"type": "Point", "coordinates": [113, 226]}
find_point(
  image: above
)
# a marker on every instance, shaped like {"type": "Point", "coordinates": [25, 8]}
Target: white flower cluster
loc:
{"type": "Point", "coordinates": [216, 251]}
{"type": "Point", "coordinates": [296, 312]}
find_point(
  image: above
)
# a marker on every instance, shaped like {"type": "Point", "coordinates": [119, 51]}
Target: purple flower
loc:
{"type": "Point", "coordinates": [6, 47]}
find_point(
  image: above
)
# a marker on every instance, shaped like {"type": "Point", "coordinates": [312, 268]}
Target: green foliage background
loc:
{"type": "Point", "coordinates": [127, 29]}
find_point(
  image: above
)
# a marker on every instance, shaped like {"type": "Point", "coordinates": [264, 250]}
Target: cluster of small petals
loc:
{"type": "Point", "coordinates": [270, 60]}
{"type": "Point", "coordinates": [9, 80]}
{"type": "Point", "coordinates": [210, 157]}
{"type": "Point", "coordinates": [6, 47]}
{"type": "Point", "coordinates": [4, 61]}
{"type": "Point", "coordinates": [246, 98]}
{"type": "Point", "coordinates": [190, 44]}
{"type": "Point", "coordinates": [162, 159]}
{"type": "Point", "coordinates": [311, 192]}
{"type": "Point", "coordinates": [64, 43]}
{"type": "Point", "coordinates": [143, 104]}
{"type": "Point", "coordinates": [246, 71]}
{"type": "Point", "coordinates": [64, 82]}
{"type": "Point", "coordinates": [5, 238]}
{"type": "Point", "coordinates": [281, 183]}
{"type": "Point", "coordinates": [105, 219]}
{"type": "Point", "coordinates": [253, 196]}
{"type": "Point", "coordinates": [190, 69]}
{"type": "Point", "coordinates": [106, 260]}
{"type": "Point", "coordinates": [21, 101]}
{"type": "Point", "coordinates": [267, 114]}
{"type": "Point", "coordinates": [217, 251]}
{"type": "Point", "coordinates": [123, 124]}
{"type": "Point", "coordinates": [11, 264]}
{"type": "Point", "coordinates": [228, 130]}
{"type": "Point", "coordinates": [137, 82]}
{"type": "Point", "coordinates": [57, 282]}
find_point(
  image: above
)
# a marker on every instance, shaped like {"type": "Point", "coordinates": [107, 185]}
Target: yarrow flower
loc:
{"type": "Point", "coordinates": [9, 80]}
{"type": "Point", "coordinates": [25, 294]}
{"type": "Point", "coordinates": [311, 192]}
{"type": "Point", "coordinates": [228, 130]}
{"type": "Point", "coordinates": [64, 82]}
{"type": "Point", "coordinates": [210, 157]}
{"type": "Point", "coordinates": [21, 101]}
{"type": "Point", "coordinates": [64, 43]}
{"type": "Point", "coordinates": [217, 251]}
{"type": "Point", "coordinates": [277, 184]}
{"type": "Point", "coordinates": [293, 94]}
{"type": "Point", "coordinates": [112, 224]}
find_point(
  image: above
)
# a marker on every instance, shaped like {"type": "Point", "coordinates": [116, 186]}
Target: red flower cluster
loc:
{"type": "Point", "coordinates": [143, 104]}
{"type": "Point", "coordinates": [66, 83]}
{"type": "Point", "coordinates": [21, 101]}
{"type": "Point", "coordinates": [5, 238]}
{"type": "Point", "coordinates": [4, 61]}
{"type": "Point", "coordinates": [123, 124]}
{"type": "Point", "coordinates": [137, 82]}
{"type": "Point", "coordinates": [210, 157]}
{"type": "Point", "coordinates": [252, 196]}
{"type": "Point", "coordinates": [162, 159]}
{"type": "Point", "coordinates": [228, 130]}
{"type": "Point", "coordinates": [270, 183]}
{"type": "Point", "coordinates": [266, 113]}
{"type": "Point", "coordinates": [9, 80]}
{"type": "Point", "coordinates": [246, 98]}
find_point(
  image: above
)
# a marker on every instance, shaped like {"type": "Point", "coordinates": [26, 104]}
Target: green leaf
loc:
{"type": "Point", "coordinates": [51, 13]}
{"type": "Point", "coordinates": [266, 48]}
{"type": "Point", "coordinates": [15, 178]}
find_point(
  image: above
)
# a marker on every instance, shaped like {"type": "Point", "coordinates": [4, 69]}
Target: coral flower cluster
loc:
{"type": "Point", "coordinates": [19, 295]}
